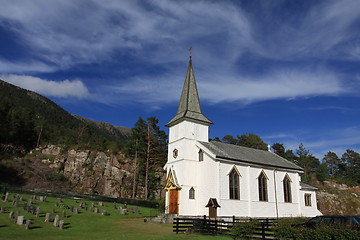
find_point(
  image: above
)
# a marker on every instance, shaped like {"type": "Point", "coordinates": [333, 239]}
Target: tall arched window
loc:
{"type": "Point", "coordinates": [234, 184]}
{"type": "Point", "coordinates": [287, 189]}
{"type": "Point", "coordinates": [262, 182]}
{"type": "Point", "coordinates": [192, 193]}
{"type": "Point", "coordinates": [201, 155]}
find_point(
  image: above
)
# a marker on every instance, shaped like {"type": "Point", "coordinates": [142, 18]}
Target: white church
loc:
{"type": "Point", "coordinates": [219, 179]}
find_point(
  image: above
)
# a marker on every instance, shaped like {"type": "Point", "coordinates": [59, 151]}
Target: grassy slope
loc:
{"type": "Point", "coordinates": [87, 225]}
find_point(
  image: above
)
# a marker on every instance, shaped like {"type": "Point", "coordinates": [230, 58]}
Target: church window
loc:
{"type": "Point", "coordinates": [201, 155]}
{"type": "Point", "coordinates": [175, 153]}
{"type": "Point", "coordinates": [262, 182]}
{"type": "Point", "coordinates": [287, 189]}
{"type": "Point", "coordinates": [192, 193]}
{"type": "Point", "coordinates": [307, 199]}
{"type": "Point", "coordinates": [234, 186]}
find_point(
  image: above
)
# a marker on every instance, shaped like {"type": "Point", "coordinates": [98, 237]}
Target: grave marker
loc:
{"type": "Point", "coordinates": [20, 220]}
{"type": "Point", "coordinates": [56, 221]}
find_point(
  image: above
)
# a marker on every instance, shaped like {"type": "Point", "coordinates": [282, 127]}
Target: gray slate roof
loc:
{"type": "Point", "coordinates": [248, 155]}
{"type": "Point", "coordinates": [189, 105]}
{"type": "Point", "coordinates": [307, 186]}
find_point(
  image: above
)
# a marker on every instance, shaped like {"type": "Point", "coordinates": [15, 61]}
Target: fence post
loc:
{"type": "Point", "coordinates": [177, 225]}
{"type": "Point", "coordinates": [263, 230]}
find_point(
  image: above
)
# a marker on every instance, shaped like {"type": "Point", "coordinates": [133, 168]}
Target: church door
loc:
{"type": "Point", "coordinates": [212, 212]}
{"type": "Point", "coordinates": [174, 203]}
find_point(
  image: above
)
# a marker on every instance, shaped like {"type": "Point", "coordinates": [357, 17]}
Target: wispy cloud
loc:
{"type": "Point", "coordinates": [62, 89]}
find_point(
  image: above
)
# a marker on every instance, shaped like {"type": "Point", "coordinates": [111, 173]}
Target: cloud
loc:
{"type": "Point", "coordinates": [62, 89]}
{"type": "Point", "coordinates": [229, 87]}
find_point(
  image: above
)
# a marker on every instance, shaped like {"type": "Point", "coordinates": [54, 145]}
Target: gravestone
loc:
{"type": "Point", "coordinates": [41, 198]}
{"type": "Point", "coordinates": [30, 202]}
{"type": "Point", "coordinates": [16, 203]}
{"type": "Point", "coordinates": [6, 197]}
{"type": "Point", "coordinates": [2, 210]}
{"type": "Point", "coordinates": [47, 217]}
{"type": "Point", "coordinates": [103, 212]}
{"type": "Point", "coordinates": [20, 198]}
{"type": "Point", "coordinates": [75, 210]}
{"type": "Point", "coordinates": [11, 215]}
{"type": "Point", "coordinates": [56, 203]}
{"type": "Point", "coordinates": [20, 220]}
{"type": "Point", "coordinates": [61, 224]}
{"type": "Point", "coordinates": [92, 205]}
{"type": "Point", "coordinates": [37, 212]}
{"type": "Point", "coordinates": [96, 210]}
{"type": "Point", "coordinates": [115, 206]}
{"type": "Point", "coordinates": [72, 209]}
{"type": "Point", "coordinates": [101, 204]}
{"type": "Point", "coordinates": [56, 221]}
{"type": "Point", "coordinates": [27, 224]}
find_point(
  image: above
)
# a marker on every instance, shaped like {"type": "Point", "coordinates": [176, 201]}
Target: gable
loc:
{"type": "Point", "coordinates": [171, 181]}
{"type": "Point", "coordinates": [226, 151]}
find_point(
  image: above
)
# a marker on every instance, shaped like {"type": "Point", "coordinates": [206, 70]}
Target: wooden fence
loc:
{"type": "Point", "coordinates": [220, 226]}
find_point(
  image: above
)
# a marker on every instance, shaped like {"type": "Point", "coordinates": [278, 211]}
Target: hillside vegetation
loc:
{"type": "Point", "coordinates": [28, 119]}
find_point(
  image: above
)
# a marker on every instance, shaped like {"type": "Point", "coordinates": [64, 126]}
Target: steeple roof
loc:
{"type": "Point", "coordinates": [189, 106]}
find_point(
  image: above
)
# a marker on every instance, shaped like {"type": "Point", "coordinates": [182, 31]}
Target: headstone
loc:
{"type": "Point", "coordinates": [11, 215]}
{"type": "Point", "coordinates": [41, 198]}
{"type": "Point", "coordinates": [2, 210]}
{"type": "Point", "coordinates": [56, 203]}
{"type": "Point", "coordinates": [115, 206]}
{"type": "Point", "coordinates": [101, 204]}
{"type": "Point", "coordinates": [96, 210]}
{"type": "Point", "coordinates": [103, 212]}
{"type": "Point", "coordinates": [20, 220]}
{"type": "Point", "coordinates": [75, 210]}
{"type": "Point", "coordinates": [56, 221]}
{"type": "Point", "coordinates": [17, 213]}
{"type": "Point", "coordinates": [27, 224]}
{"type": "Point", "coordinates": [72, 208]}
{"type": "Point", "coordinates": [20, 198]}
{"type": "Point", "coordinates": [61, 224]}
{"type": "Point", "coordinates": [45, 198]}
{"type": "Point", "coordinates": [6, 197]}
{"type": "Point", "coordinates": [47, 217]}
{"type": "Point", "coordinates": [30, 202]}
{"type": "Point", "coordinates": [16, 203]}
{"type": "Point", "coordinates": [37, 212]}
{"type": "Point", "coordinates": [92, 205]}
{"type": "Point", "coordinates": [13, 202]}
{"type": "Point", "coordinates": [33, 197]}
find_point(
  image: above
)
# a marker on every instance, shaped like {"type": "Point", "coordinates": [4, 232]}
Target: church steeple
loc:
{"type": "Point", "coordinates": [189, 106]}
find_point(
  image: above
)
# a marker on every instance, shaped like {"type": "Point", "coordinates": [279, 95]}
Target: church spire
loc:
{"type": "Point", "coordinates": [189, 106]}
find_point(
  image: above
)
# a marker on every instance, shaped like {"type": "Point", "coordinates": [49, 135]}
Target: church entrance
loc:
{"type": "Point", "coordinates": [173, 189]}
{"type": "Point", "coordinates": [174, 201]}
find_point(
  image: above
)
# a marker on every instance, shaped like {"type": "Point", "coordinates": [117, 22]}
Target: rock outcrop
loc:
{"type": "Point", "coordinates": [92, 172]}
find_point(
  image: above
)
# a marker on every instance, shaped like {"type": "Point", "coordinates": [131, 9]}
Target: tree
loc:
{"type": "Point", "coordinates": [351, 165]}
{"type": "Point", "coordinates": [305, 160]}
{"type": "Point", "coordinates": [279, 149]}
{"type": "Point", "coordinates": [251, 140]}
{"type": "Point", "coordinates": [148, 148]}
{"type": "Point", "coordinates": [229, 139]}
{"type": "Point", "coordinates": [332, 161]}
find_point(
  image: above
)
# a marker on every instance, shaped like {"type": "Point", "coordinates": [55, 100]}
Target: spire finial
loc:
{"type": "Point", "coordinates": [190, 52]}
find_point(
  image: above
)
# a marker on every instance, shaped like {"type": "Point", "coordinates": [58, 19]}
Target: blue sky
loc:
{"type": "Point", "coordinates": [288, 71]}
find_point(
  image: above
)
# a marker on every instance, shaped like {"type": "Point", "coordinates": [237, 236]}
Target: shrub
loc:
{"type": "Point", "coordinates": [245, 229]}
{"type": "Point", "coordinates": [284, 230]}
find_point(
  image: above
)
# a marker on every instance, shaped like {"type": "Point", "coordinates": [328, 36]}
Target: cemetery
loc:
{"type": "Point", "coordinates": [33, 216]}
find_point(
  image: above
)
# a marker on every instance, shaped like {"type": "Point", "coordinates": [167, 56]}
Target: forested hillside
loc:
{"type": "Point", "coordinates": [28, 120]}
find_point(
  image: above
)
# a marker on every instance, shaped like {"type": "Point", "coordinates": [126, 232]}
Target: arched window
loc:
{"type": "Point", "coordinates": [201, 155]}
{"type": "Point", "coordinates": [262, 182]}
{"type": "Point", "coordinates": [287, 189]}
{"type": "Point", "coordinates": [192, 193]}
{"type": "Point", "coordinates": [234, 184]}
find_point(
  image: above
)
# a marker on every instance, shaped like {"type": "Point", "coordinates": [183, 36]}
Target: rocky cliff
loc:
{"type": "Point", "coordinates": [84, 171]}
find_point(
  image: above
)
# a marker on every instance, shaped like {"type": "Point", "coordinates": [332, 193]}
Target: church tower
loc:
{"type": "Point", "coordinates": [187, 128]}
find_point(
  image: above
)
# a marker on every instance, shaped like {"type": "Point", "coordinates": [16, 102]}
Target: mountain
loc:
{"type": "Point", "coordinates": [28, 119]}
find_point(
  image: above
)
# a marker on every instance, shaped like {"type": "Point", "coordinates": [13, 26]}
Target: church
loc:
{"type": "Point", "coordinates": [220, 179]}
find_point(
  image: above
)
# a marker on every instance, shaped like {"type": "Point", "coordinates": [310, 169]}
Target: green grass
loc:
{"type": "Point", "coordinates": [87, 225]}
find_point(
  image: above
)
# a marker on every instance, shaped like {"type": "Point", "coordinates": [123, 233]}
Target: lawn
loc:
{"type": "Point", "coordinates": [86, 224]}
